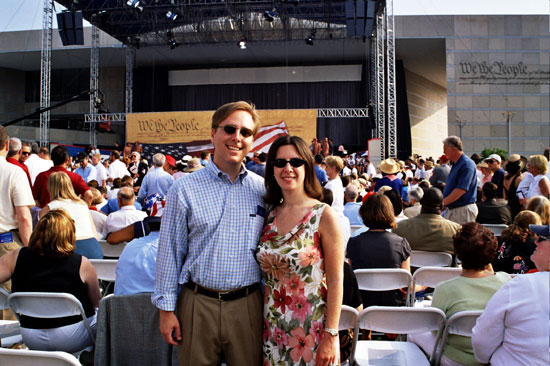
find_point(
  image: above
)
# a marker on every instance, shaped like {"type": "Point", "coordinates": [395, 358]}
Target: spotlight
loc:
{"type": "Point", "coordinates": [242, 44]}
{"type": "Point", "coordinates": [172, 15]}
{"type": "Point", "coordinates": [270, 15]}
{"type": "Point", "coordinates": [310, 38]}
{"type": "Point", "coordinates": [135, 4]}
{"type": "Point", "coordinates": [171, 40]}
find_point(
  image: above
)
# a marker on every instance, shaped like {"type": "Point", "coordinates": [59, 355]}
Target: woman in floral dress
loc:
{"type": "Point", "coordinates": [301, 253]}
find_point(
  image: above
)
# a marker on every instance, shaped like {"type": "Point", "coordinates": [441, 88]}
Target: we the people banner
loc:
{"type": "Point", "coordinates": [177, 127]}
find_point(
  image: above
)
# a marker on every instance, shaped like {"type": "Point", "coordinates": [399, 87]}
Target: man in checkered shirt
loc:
{"type": "Point", "coordinates": [207, 279]}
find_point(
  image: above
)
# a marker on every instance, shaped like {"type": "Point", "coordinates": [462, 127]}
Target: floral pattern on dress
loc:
{"type": "Point", "coordinates": [295, 291]}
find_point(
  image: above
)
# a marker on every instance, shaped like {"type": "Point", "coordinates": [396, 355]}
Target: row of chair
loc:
{"type": "Point", "coordinates": [112, 250]}
{"type": "Point", "coordinates": [402, 320]}
{"type": "Point", "coordinates": [386, 279]}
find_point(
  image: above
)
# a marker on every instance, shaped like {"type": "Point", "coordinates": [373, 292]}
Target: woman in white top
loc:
{"type": "Point", "coordinates": [514, 327]}
{"type": "Point", "coordinates": [63, 197]}
{"type": "Point", "coordinates": [538, 165]}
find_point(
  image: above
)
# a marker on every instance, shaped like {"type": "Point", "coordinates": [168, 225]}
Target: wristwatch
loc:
{"type": "Point", "coordinates": [332, 332]}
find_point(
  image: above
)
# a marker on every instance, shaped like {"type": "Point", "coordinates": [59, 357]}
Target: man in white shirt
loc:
{"type": "Point", "coordinates": [36, 163]}
{"type": "Point", "coordinates": [117, 169]}
{"type": "Point", "coordinates": [335, 164]}
{"type": "Point", "coordinates": [101, 172]}
{"type": "Point", "coordinates": [371, 169]}
{"type": "Point", "coordinates": [128, 214]}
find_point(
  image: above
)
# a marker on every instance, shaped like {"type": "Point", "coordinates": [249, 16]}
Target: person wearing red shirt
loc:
{"type": "Point", "coordinates": [60, 157]}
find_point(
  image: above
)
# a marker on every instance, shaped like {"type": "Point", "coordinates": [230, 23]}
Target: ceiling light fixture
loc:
{"type": "Point", "coordinates": [172, 15]}
{"type": "Point", "coordinates": [135, 4]}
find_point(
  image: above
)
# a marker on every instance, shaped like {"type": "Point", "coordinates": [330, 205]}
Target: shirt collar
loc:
{"type": "Point", "coordinates": [126, 208]}
{"type": "Point", "coordinates": [213, 169]}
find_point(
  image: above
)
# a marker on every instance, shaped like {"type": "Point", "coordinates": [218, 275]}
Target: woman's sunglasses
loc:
{"type": "Point", "coordinates": [294, 162]}
{"type": "Point", "coordinates": [230, 130]}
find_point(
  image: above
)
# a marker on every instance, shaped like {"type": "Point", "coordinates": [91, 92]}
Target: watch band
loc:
{"type": "Point", "coordinates": [331, 331]}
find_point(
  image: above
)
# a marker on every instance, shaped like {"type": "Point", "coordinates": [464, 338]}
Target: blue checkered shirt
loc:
{"type": "Point", "coordinates": [209, 233]}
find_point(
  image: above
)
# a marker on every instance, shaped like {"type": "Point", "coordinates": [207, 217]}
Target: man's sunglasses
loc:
{"type": "Point", "coordinates": [230, 130]}
{"type": "Point", "coordinates": [25, 153]}
{"type": "Point", "coordinates": [541, 238]}
{"type": "Point", "coordinates": [490, 161]}
{"type": "Point", "coordinates": [294, 162]}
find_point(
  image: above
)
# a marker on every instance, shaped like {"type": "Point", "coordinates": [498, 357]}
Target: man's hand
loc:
{"type": "Point", "coordinates": [169, 325]}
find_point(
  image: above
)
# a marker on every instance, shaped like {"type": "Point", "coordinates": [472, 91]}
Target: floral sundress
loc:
{"type": "Point", "coordinates": [295, 291]}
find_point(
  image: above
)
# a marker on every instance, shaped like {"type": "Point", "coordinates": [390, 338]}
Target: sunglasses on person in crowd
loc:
{"type": "Point", "coordinates": [230, 130]}
{"type": "Point", "coordinates": [294, 162]}
{"type": "Point", "coordinates": [490, 161]}
{"type": "Point", "coordinates": [25, 153]}
{"type": "Point", "coordinates": [541, 238]}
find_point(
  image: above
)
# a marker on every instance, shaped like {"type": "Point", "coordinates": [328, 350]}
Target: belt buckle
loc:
{"type": "Point", "coordinates": [220, 294]}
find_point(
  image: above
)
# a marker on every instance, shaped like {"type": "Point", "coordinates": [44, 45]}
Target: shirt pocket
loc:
{"type": "Point", "coordinates": [255, 228]}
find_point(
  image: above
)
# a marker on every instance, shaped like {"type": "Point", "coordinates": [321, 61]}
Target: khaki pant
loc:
{"type": "Point", "coordinates": [4, 249]}
{"type": "Point", "coordinates": [462, 215]}
{"type": "Point", "coordinates": [211, 328]}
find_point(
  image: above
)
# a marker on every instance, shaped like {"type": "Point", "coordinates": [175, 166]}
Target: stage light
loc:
{"type": "Point", "coordinates": [135, 4]}
{"type": "Point", "coordinates": [171, 40]}
{"type": "Point", "coordinates": [309, 39]}
{"type": "Point", "coordinates": [270, 15]}
{"type": "Point", "coordinates": [242, 44]}
{"type": "Point", "coordinates": [172, 15]}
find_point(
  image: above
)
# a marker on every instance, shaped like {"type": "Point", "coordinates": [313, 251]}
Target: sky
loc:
{"type": "Point", "coordinates": [27, 14]}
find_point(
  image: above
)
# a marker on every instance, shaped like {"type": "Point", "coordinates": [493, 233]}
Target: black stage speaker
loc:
{"type": "Point", "coordinates": [70, 28]}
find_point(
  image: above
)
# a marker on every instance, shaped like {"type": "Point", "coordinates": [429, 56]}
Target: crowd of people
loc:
{"type": "Point", "coordinates": [249, 256]}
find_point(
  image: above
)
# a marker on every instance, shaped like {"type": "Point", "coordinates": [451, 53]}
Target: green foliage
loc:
{"type": "Point", "coordinates": [486, 152]}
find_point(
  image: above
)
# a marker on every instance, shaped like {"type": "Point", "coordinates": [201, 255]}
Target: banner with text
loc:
{"type": "Point", "coordinates": [177, 127]}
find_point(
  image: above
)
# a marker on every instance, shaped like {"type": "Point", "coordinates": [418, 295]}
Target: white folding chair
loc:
{"type": "Point", "coordinates": [112, 250]}
{"type": "Point", "coordinates": [400, 320]}
{"type": "Point", "coordinates": [355, 228]}
{"type": "Point", "coordinates": [25, 357]}
{"type": "Point", "coordinates": [106, 273]}
{"type": "Point", "coordinates": [431, 277]}
{"type": "Point", "coordinates": [348, 320]}
{"type": "Point", "coordinates": [105, 269]}
{"type": "Point", "coordinates": [497, 229]}
{"type": "Point", "coordinates": [10, 332]}
{"type": "Point", "coordinates": [49, 305]}
{"type": "Point", "coordinates": [460, 323]}
{"type": "Point", "coordinates": [383, 279]}
{"type": "Point", "coordinates": [420, 258]}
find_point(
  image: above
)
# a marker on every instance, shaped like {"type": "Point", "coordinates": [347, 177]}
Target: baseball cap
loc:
{"type": "Point", "coordinates": [170, 160]}
{"type": "Point", "coordinates": [81, 156]}
{"type": "Point", "coordinates": [494, 157]}
{"type": "Point", "coordinates": [541, 230]}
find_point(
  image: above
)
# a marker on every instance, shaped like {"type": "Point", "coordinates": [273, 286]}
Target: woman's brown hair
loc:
{"type": "Point", "coordinates": [519, 230]}
{"type": "Point", "coordinates": [377, 212]}
{"type": "Point", "coordinates": [274, 195]}
{"type": "Point", "coordinates": [475, 246]}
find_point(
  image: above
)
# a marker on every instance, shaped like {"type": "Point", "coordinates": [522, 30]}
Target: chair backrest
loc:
{"type": "Point", "coordinates": [401, 320]}
{"type": "Point", "coordinates": [48, 305]}
{"type": "Point", "coordinates": [112, 250]}
{"type": "Point", "coordinates": [460, 323]}
{"type": "Point", "coordinates": [4, 299]}
{"type": "Point", "coordinates": [348, 318]}
{"type": "Point", "coordinates": [354, 228]}
{"type": "Point", "coordinates": [383, 279]}
{"type": "Point", "coordinates": [105, 269]}
{"type": "Point", "coordinates": [497, 229]}
{"type": "Point", "coordinates": [420, 258]}
{"type": "Point", "coordinates": [25, 357]}
{"type": "Point", "coordinates": [432, 276]}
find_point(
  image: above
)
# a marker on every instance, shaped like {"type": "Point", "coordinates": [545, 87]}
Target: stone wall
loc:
{"type": "Point", "coordinates": [428, 114]}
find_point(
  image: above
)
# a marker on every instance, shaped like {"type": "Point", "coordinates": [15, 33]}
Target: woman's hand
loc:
{"type": "Point", "coordinates": [328, 353]}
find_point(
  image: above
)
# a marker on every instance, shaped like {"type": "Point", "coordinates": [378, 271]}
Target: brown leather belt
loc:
{"type": "Point", "coordinates": [223, 295]}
